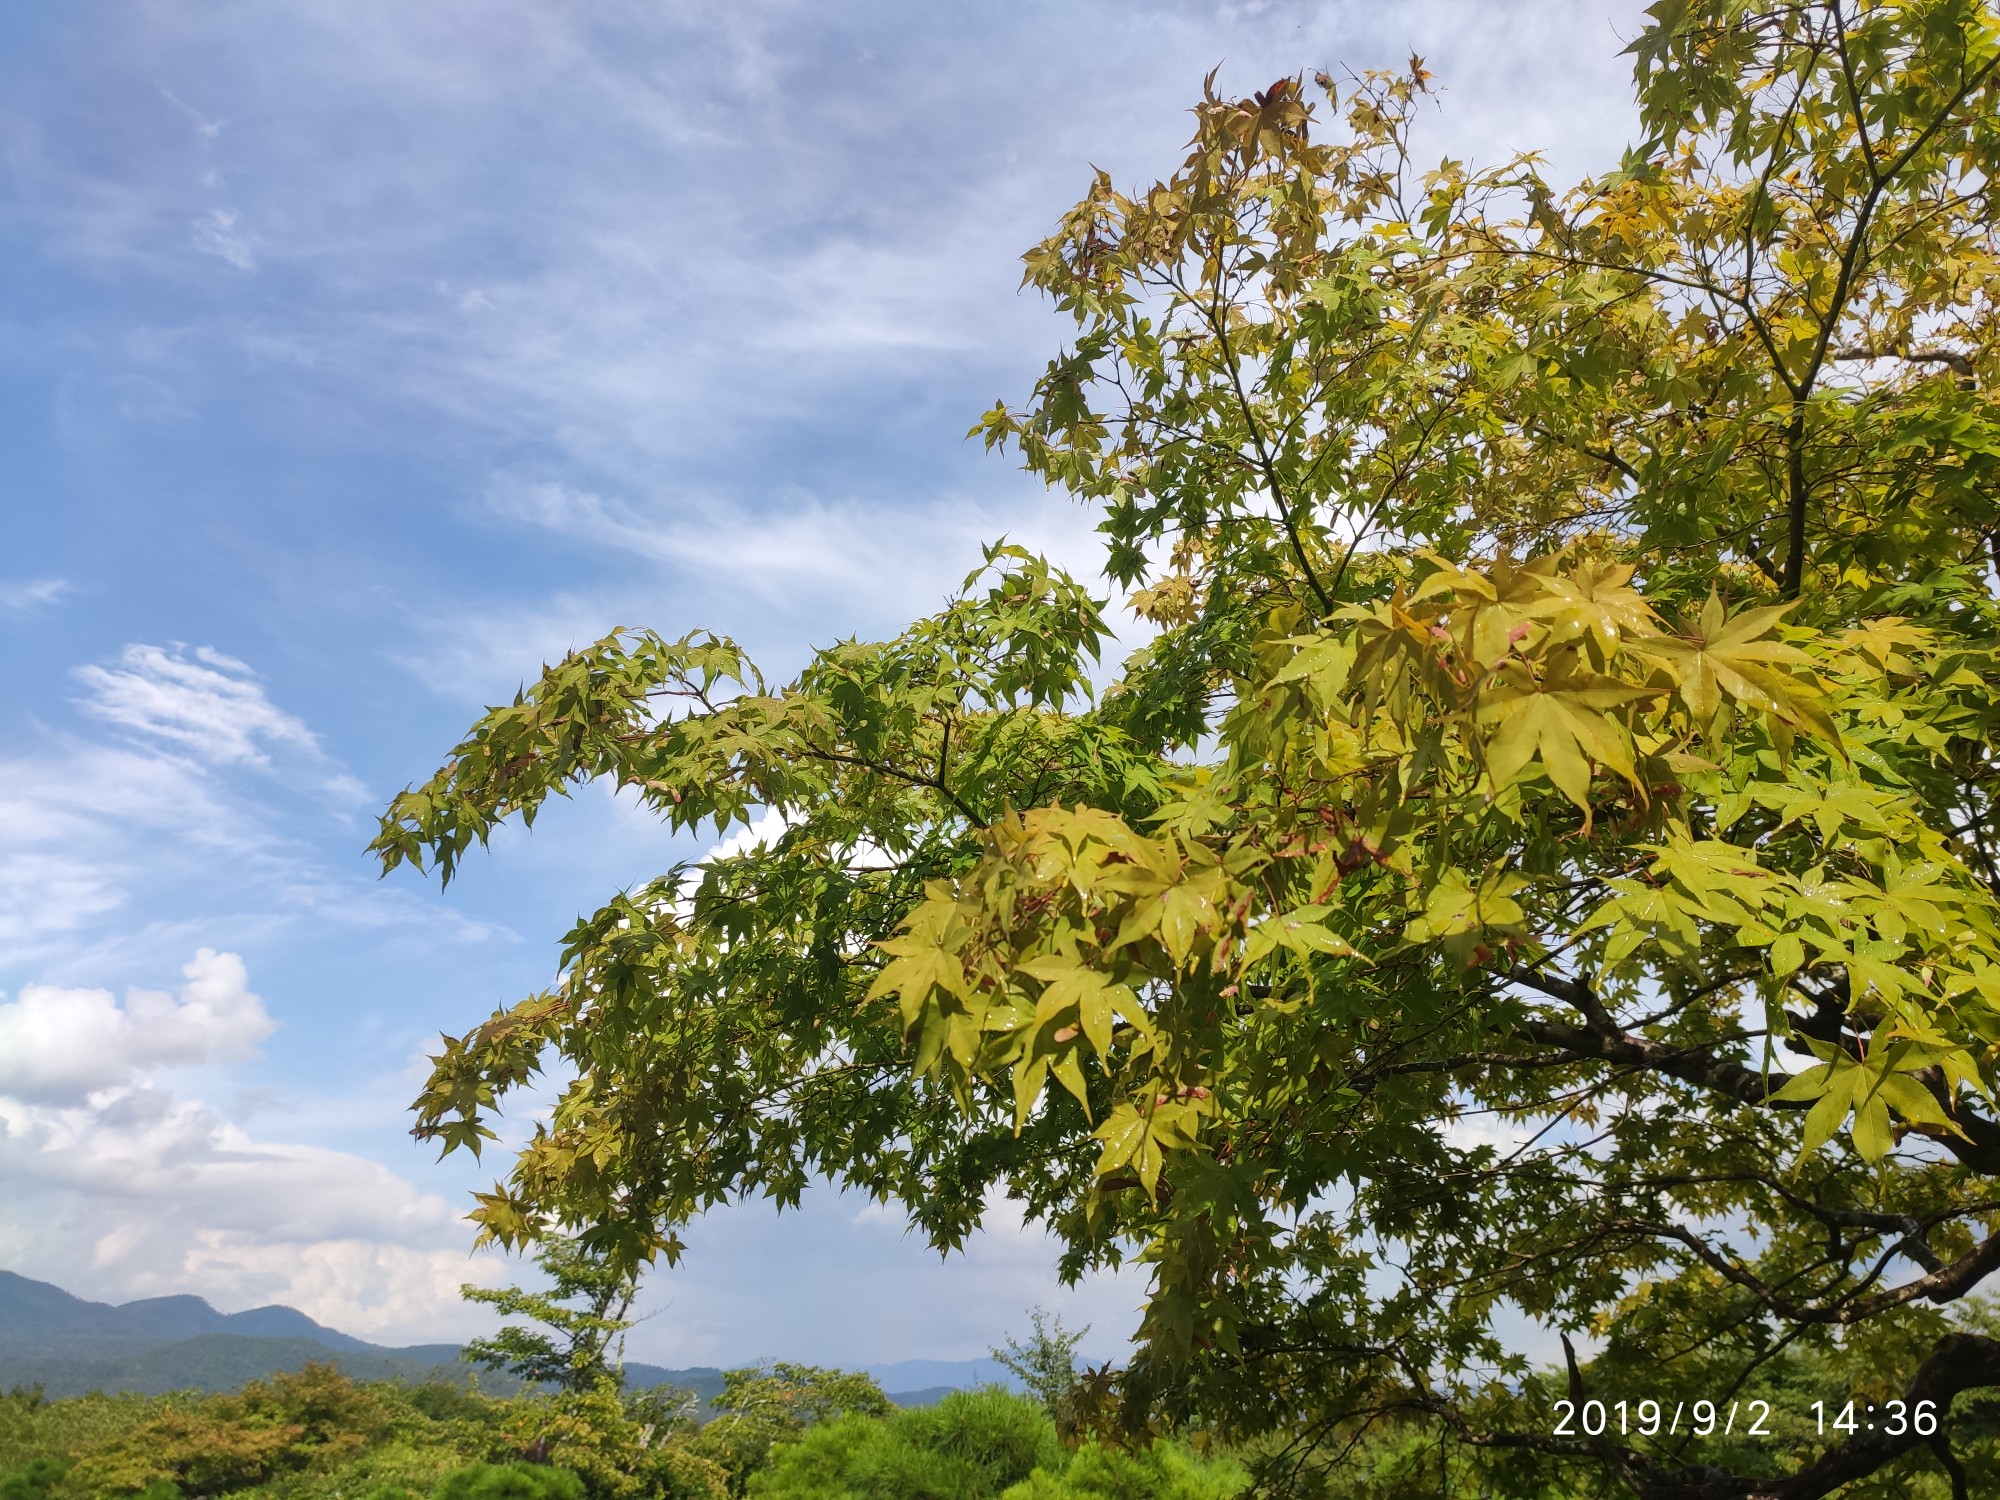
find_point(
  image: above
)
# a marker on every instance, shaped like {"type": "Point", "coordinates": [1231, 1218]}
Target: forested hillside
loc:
{"type": "Point", "coordinates": [317, 1435]}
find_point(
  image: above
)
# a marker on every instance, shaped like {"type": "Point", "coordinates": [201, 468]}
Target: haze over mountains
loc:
{"type": "Point", "coordinates": [68, 1346]}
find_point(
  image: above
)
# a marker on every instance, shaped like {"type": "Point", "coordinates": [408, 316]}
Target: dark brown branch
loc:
{"type": "Point", "coordinates": [1947, 1284]}
{"type": "Point", "coordinates": [1961, 1484]}
{"type": "Point", "coordinates": [908, 778]}
{"type": "Point", "coordinates": [1604, 1040]}
{"type": "Point", "coordinates": [1854, 94]}
{"type": "Point", "coordinates": [1958, 1363]}
{"type": "Point", "coordinates": [1580, 997]}
{"type": "Point", "coordinates": [1690, 1065]}
{"type": "Point", "coordinates": [1957, 363]}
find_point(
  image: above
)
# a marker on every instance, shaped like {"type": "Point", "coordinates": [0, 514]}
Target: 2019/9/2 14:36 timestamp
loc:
{"type": "Point", "coordinates": [1650, 1418]}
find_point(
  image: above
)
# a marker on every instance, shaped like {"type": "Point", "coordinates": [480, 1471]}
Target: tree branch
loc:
{"type": "Point", "coordinates": [1606, 1041]}
{"type": "Point", "coordinates": [1957, 363]}
{"type": "Point", "coordinates": [1219, 323]}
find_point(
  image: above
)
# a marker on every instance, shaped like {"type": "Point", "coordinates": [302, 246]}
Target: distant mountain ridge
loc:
{"type": "Point", "coordinates": [30, 1309]}
{"type": "Point", "coordinates": [67, 1346]}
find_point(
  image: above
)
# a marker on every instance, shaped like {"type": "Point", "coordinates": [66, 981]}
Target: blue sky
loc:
{"type": "Point", "coordinates": [355, 357]}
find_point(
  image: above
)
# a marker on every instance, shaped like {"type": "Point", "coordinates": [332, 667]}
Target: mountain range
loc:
{"type": "Point", "coordinates": [68, 1346]}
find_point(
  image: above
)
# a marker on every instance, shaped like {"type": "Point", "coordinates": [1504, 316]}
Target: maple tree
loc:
{"type": "Point", "coordinates": [1542, 869]}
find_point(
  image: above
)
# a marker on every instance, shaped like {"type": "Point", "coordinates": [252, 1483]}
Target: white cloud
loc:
{"type": "Point", "coordinates": [769, 827]}
{"type": "Point", "coordinates": [31, 594]}
{"type": "Point", "coordinates": [859, 562]}
{"type": "Point", "coordinates": [83, 823]}
{"type": "Point", "coordinates": [203, 702]}
{"type": "Point", "coordinates": [42, 893]}
{"type": "Point", "coordinates": [842, 1281]}
{"type": "Point", "coordinates": [196, 825]}
{"type": "Point", "coordinates": [371, 906]}
{"type": "Point", "coordinates": [483, 655]}
{"type": "Point", "coordinates": [751, 216]}
{"type": "Point", "coordinates": [58, 1044]}
{"type": "Point", "coordinates": [799, 571]}
{"type": "Point", "coordinates": [216, 234]}
{"type": "Point", "coordinates": [204, 127]}
{"type": "Point", "coordinates": [802, 542]}
{"type": "Point", "coordinates": [211, 706]}
{"type": "Point", "coordinates": [134, 1193]}
{"type": "Point", "coordinates": [360, 1286]}
{"type": "Point", "coordinates": [112, 1186]}
{"type": "Point", "coordinates": [1471, 1130]}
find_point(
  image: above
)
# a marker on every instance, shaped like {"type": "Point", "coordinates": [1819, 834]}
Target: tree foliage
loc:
{"type": "Point", "coordinates": [582, 1316]}
{"type": "Point", "coordinates": [314, 1417]}
{"type": "Point", "coordinates": [763, 1406]}
{"type": "Point", "coordinates": [1046, 1363]}
{"type": "Point", "coordinates": [1543, 865]}
{"type": "Point", "coordinates": [970, 1446]}
{"type": "Point", "coordinates": [34, 1480]}
{"type": "Point", "coordinates": [314, 1434]}
{"type": "Point", "coordinates": [989, 1444]}
{"type": "Point", "coordinates": [514, 1481]}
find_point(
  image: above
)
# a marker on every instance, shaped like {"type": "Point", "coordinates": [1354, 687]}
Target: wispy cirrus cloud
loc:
{"type": "Point", "coordinates": [204, 797]}
{"type": "Point", "coordinates": [210, 706]}
{"type": "Point", "coordinates": [799, 544]}
{"type": "Point", "coordinates": [82, 825]}
{"type": "Point", "coordinates": [649, 234]}
{"type": "Point", "coordinates": [32, 594]}
{"type": "Point", "coordinates": [199, 700]}
{"type": "Point", "coordinates": [795, 573]}
{"type": "Point", "coordinates": [215, 233]}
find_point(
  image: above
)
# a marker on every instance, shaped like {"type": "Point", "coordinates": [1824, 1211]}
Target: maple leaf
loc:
{"type": "Point", "coordinates": [1737, 656]}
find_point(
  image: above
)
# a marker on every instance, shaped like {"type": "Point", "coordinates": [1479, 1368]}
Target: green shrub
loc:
{"type": "Point", "coordinates": [32, 1426]}
{"type": "Point", "coordinates": [312, 1434]}
{"type": "Point", "coordinates": [33, 1482]}
{"type": "Point", "coordinates": [516, 1481]}
{"type": "Point", "coordinates": [822, 1462]}
{"type": "Point", "coordinates": [207, 1449]}
{"type": "Point", "coordinates": [441, 1401]}
{"type": "Point", "coordinates": [970, 1446]}
{"type": "Point", "coordinates": [1004, 1437]}
{"type": "Point", "coordinates": [1161, 1471]}
{"type": "Point", "coordinates": [911, 1473]}
{"type": "Point", "coordinates": [763, 1406]}
{"type": "Point", "coordinates": [403, 1468]}
{"type": "Point", "coordinates": [594, 1434]}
